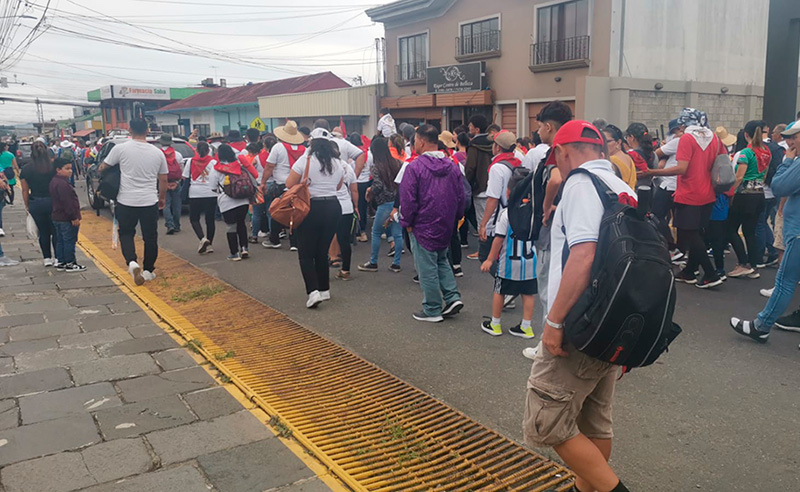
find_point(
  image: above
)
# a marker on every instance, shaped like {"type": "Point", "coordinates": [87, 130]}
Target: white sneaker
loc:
{"type": "Point", "coordinates": [148, 276]}
{"type": "Point", "coordinates": [293, 248]}
{"type": "Point", "coordinates": [314, 299]}
{"type": "Point", "coordinates": [6, 261]}
{"type": "Point", "coordinates": [136, 272]}
{"type": "Point", "coordinates": [2, 232]}
{"type": "Point", "coordinates": [269, 245]}
{"type": "Point", "coordinates": [325, 295]}
{"type": "Point", "coordinates": [263, 234]}
{"type": "Point", "coordinates": [530, 352]}
{"type": "Point", "coordinates": [204, 245]}
{"type": "Point", "coordinates": [766, 292]}
{"type": "Point", "coordinates": [48, 262]}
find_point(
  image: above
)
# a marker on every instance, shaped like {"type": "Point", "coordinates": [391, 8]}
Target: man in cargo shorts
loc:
{"type": "Point", "coordinates": [570, 394]}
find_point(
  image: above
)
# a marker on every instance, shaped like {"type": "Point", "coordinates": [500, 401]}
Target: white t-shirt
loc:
{"type": "Point", "coordinates": [366, 173]}
{"type": "Point", "coordinates": [343, 193]}
{"type": "Point", "coordinates": [215, 181]}
{"type": "Point", "coordinates": [200, 187]}
{"type": "Point", "coordinates": [319, 184]}
{"type": "Point", "coordinates": [399, 178]}
{"type": "Point", "coordinates": [347, 151]}
{"type": "Point", "coordinates": [496, 187]}
{"type": "Point", "coordinates": [535, 156]}
{"type": "Point", "coordinates": [140, 163]}
{"type": "Point", "coordinates": [670, 149]}
{"type": "Point", "coordinates": [279, 157]}
{"type": "Point", "coordinates": [578, 216]}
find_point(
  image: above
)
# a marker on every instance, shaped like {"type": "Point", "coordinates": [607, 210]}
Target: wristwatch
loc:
{"type": "Point", "coordinates": [557, 326]}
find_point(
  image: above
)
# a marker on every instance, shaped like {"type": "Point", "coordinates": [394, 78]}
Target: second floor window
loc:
{"type": "Point", "coordinates": [413, 57]}
{"type": "Point", "coordinates": [562, 32]}
{"type": "Point", "coordinates": [480, 37]}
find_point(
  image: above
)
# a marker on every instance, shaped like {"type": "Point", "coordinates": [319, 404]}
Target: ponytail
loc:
{"type": "Point", "coordinates": [202, 149]}
{"type": "Point", "coordinates": [642, 135]}
{"type": "Point", "coordinates": [753, 129]}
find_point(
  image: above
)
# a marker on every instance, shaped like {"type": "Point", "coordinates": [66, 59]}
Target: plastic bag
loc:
{"type": "Point", "coordinates": [33, 231]}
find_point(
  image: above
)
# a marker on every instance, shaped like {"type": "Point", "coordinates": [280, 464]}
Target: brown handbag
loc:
{"type": "Point", "coordinates": [291, 208]}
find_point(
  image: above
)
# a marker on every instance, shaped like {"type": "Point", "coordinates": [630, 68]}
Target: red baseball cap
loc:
{"type": "Point", "coordinates": [575, 131]}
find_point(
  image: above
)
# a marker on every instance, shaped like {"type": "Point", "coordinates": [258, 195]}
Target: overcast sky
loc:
{"type": "Point", "coordinates": [239, 40]}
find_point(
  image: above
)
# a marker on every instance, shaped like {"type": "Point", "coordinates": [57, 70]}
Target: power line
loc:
{"type": "Point", "coordinates": [173, 2]}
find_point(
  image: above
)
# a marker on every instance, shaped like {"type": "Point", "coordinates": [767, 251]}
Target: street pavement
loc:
{"type": "Point", "coordinates": [717, 413]}
{"type": "Point", "coordinates": [95, 396]}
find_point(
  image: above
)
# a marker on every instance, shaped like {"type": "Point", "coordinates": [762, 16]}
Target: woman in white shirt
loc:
{"type": "Point", "coordinates": [341, 250]}
{"type": "Point", "coordinates": [202, 197]}
{"type": "Point", "coordinates": [325, 177]}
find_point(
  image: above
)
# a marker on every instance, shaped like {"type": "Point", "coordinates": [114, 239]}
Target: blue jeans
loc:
{"type": "Point", "coordinates": [394, 230]}
{"type": "Point", "coordinates": [259, 221]}
{"type": "Point", "coordinates": [785, 282]}
{"type": "Point", "coordinates": [764, 236]}
{"type": "Point", "coordinates": [172, 209]}
{"type": "Point", "coordinates": [435, 277]}
{"type": "Point", "coordinates": [66, 237]}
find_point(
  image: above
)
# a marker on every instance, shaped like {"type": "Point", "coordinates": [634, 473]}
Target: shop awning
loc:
{"type": "Point", "coordinates": [84, 133]}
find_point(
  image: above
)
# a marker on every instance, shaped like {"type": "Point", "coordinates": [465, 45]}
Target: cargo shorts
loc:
{"type": "Point", "coordinates": [567, 396]}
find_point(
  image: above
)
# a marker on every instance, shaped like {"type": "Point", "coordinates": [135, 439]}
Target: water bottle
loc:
{"type": "Point", "coordinates": [645, 194]}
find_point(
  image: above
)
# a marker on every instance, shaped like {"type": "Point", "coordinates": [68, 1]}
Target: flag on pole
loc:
{"type": "Point", "coordinates": [341, 125]}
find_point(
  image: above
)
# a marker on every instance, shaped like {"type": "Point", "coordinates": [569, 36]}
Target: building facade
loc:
{"type": "Point", "coordinates": [119, 103]}
{"type": "Point", "coordinates": [622, 60]}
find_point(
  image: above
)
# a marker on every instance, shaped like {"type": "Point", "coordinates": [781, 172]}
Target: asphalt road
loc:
{"type": "Point", "coordinates": [717, 413]}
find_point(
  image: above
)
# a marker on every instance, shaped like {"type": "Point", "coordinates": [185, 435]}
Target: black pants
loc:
{"type": "Point", "coordinates": [41, 210]}
{"type": "Point", "coordinates": [363, 205]}
{"type": "Point", "coordinates": [207, 207]}
{"type": "Point", "coordinates": [147, 219]}
{"type": "Point", "coordinates": [344, 236]}
{"type": "Point", "coordinates": [744, 213]}
{"type": "Point", "coordinates": [455, 247]}
{"type": "Point", "coordinates": [314, 236]}
{"type": "Point", "coordinates": [662, 208]}
{"type": "Point", "coordinates": [237, 229]}
{"type": "Point", "coordinates": [470, 219]}
{"type": "Point", "coordinates": [716, 236]}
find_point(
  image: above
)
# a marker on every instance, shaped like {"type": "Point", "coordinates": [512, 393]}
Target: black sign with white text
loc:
{"type": "Point", "coordinates": [463, 77]}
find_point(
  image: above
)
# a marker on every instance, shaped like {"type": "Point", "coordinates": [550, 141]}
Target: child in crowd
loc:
{"type": "Point", "coordinates": [516, 273]}
{"type": "Point", "coordinates": [66, 216]}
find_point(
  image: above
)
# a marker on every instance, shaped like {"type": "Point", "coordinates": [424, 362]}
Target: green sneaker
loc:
{"type": "Point", "coordinates": [519, 331]}
{"type": "Point", "coordinates": [491, 329]}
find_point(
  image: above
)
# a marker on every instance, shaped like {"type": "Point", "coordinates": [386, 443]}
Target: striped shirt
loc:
{"type": "Point", "coordinates": [517, 258]}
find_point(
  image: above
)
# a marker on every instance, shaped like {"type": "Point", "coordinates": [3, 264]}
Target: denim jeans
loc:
{"type": "Point", "coordinates": [435, 277]}
{"type": "Point", "coordinates": [259, 221]}
{"type": "Point", "coordinates": [172, 209]}
{"type": "Point", "coordinates": [785, 282]}
{"type": "Point", "coordinates": [764, 236]}
{"type": "Point", "coordinates": [66, 237]}
{"type": "Point", "coordinates": [394, 230]}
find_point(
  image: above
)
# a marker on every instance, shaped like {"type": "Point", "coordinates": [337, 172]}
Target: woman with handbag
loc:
{"type": "Point", "coordinates": [322, 172]}
{"type": "Point", "coordinates": [35, 182]}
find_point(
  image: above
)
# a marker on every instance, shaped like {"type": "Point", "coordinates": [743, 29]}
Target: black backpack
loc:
{"type": "Point", "coordinates": [108, 185]}
{"type": "Point", "coordinates": [625, 315]}
{"type": "Point", "coordinates": [526, 203]}
{"type": "Point", "coordinates": [515, 172]}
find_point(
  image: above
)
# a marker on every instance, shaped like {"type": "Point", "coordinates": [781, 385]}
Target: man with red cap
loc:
{"type": "Point", "coordinates": [569, 393]}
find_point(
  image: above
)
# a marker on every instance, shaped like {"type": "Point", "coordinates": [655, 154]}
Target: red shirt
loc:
{"type": "Point", "coordinates": [638, 160]}
{"type": "Point", "coordinates": [694, 187]}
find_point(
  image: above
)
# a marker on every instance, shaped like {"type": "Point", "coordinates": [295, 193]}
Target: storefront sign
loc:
{"type": "Point", "coordinates": [463, 77]}
{"type": "Point", "coordinates": [105, 93]}
{"type": "Point", "coordinates": [148, 93]}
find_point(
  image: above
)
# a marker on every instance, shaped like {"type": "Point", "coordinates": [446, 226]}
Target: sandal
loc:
{"type": "Point", "coordinates": [335, 263]}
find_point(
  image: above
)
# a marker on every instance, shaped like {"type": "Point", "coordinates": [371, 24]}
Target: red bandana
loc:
{"type": "Point", "coordinates": [294, 154]}
{"type": "Point", "coordinates": [509, 157]}
{"type": "Point", "coordinates": [236, 167]}
{"type": "Point", "coordinates": [199, 165]}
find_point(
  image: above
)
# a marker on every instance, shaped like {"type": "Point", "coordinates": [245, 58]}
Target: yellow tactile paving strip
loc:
{"type": "Point", "coordinates": [372, 430]}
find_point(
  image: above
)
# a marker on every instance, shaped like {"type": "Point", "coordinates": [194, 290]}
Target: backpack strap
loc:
{"type": "Point", "coordinates": [607, 197]}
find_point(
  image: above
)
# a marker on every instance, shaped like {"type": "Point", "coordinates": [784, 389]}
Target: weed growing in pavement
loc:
{"type": "Point", "coordinates": [226, 355]}
{"type": "Point", "coordinates": [279, 426]}
{"type": "Point", "coordinates": [200, 294]}
{"type": "Point", "coordinates": [194, 345]}
{"type": "Point", "coordinates": [224, 378]}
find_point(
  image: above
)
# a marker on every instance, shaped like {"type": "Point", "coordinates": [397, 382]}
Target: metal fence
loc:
{"type": "Point", "coordinates": [483, 42]}
{"type": "Point", "coordinates": [411, 71]}
{"type": "Point", "coordinates": [561, 50]}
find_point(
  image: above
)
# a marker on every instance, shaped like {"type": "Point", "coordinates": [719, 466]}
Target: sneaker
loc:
{"type": "Point", "coordinates": [269, 245]}
{"type": "Point", "coordinates": [292, 248]}
{"type": "Point", "coordinates": [707, 282]}
{"type": "Point", "coordinates": [519, 331]}
{"type": "Point", "coordinates": [457, 271]}
{"type": "Point", "coordinates": [314, 300]}
{"type": "Point", "coordinates": [721, 275]}
{"type": "Point", "coordinates": [464, 245]}
{"type": "Point", "coordinates": [676, 256]}
{"type": "Point", "coordinates": [263, 234]}
{"type": "Point", "coordinates": [368, 267]}
{"type": "Point", "coordinates": [530, 352]}
{"type": "Point", "coordinates": [755, 274]}
{"type": "Point", "coordinates": [48, 262]}
{"type": "Point", "coordinates": [740, 271]}
{"type": "Point", "coordinates": [508, 302]}
{"type": "Point", "coordinates": [789, 322]}
{"type": "Point", "coordinates": [235, 257]}
{"type": "Point", "coordinates": [395, 268]}
{"type": "Point", "coordinates": [686, 277]}
{"type": "Point", "coordinates": [252, 240]}
{"type": "Point", "coordinates": [473, 256]}
{"type": "Point", "coordinates": [766, 292]}
{"type": "Point", "coordinates": [282, 235]}
{"type": "Point", "coordinates": [325, 295]}
{"type": "Point", "coordinates": [6, 261]}
{"type": "Point", "coordinates": [391, 251]}
{"type": "Point", "coordinates": [245, 254]}
{"type": "Point", "coordinates": [148, 276]}
{"type": "Point", "coordinates": [136, 272]}
{"type": "Point", "coordinates": [362, 238]}
{"type": "Point", "coordinates": [342, 275]}
{"type": "Point", "coordinates": [60, 267]}
{"type": "Point", "coordinates": [748, 329]}
{"type": "Point", "coordinates": [2, 233]}
{"type": "Point", "coordinates": [209, 249]}
{"type": "Point", "coordinates": [453, 308]}
{"type": "Point", "coordinates": [493, 330]}
{"type": "Point", "coordinates": [74, 267]}
{"type": "Point", "coordinates": [171, 232]}
{"type": "Point", "coordinates": [421, 316]}
{"type": "Point", "coordinates": [416, 279]}
{"type": "Point", "coordinates": [204, 244]}
{"type": "Point", "coordinates": [772, 260]}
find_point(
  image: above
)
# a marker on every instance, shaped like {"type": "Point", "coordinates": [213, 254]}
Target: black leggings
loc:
{"type": "Point", "coordinates": [455, 247]}
{"type": "Point", "coordinates": [363, 205]}
{"type": "Point", "coordinates": [237, 229]}
{"type": "Point", "coordinates": [41, 209]}
{"type": "Point", "coordinates": [693, 242]}
{"type": "Point", "coordinates": [314, 236]}
{"type": "Point", "coordinates": [344, 235]}
{"type": "Point", "coordinates": [744, 213]}
{"type": "Point", "coordinates": [717, 238]}
{"type": "Point", "coordinates": [208, 207]}
{"type": "Point", "coordinates": [662, 208]}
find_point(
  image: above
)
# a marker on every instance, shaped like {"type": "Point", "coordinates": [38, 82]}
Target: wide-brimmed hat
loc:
{"type": "Point", "coordinates": [165, 139]}
{"type": "Point", "coordinates": [289, 133]}
{"type": "Point", "coordinates": [65, 144]}
{"type": "Point", "coordinates": [215, 136]}
{"type": "Point", "coordinates": [726, 138]}
{"type": "Point", "coordinates": [447, 139]}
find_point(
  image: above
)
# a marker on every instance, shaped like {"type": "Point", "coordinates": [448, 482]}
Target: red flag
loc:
{"type": "Point", "coordinates": [341, 125]}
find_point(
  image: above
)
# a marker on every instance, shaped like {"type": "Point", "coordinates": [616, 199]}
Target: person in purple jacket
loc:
{"type": "Point", "coordinates": [432, 200]}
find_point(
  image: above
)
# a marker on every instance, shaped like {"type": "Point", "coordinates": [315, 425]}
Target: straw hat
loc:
{"type": "Point", "coordinates": [288, 133]}
{"type": "Point", "coordinates": [447, 139]}
{"type": "Point", "coordinates": [216, 136]}
{"type": "Point", "coordinates": [726, 138]}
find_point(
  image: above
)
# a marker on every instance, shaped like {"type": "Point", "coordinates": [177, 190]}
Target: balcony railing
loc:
{"type": "Point", "coordinates": [479, 45]}
{"type": "Point", "coordinates": [410, 73]}
{"type": "Point", "coordinates": [560, 53]}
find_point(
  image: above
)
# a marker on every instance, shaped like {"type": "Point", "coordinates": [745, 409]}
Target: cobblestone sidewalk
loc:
{"type": "Point", "coordinates": [94, 396]}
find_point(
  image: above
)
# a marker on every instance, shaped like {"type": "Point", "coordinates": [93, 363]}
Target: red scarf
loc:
{"type": "Point", "coordinates": [199, 165]}
{"type": "Point", "coordinates": [236, 167]}
{"type": "Point", "coordinates": [509, 157]}
{"type": "Point", "coordinates": [294, 154]}
{"type": "Point", "coordinates": [763, 156]}
{"type": "Point", "coordinates": [413, 156]}
{"type": "Point", "coordinates": [238, 146]}
{"type": "Point", "coordinates": [638, 160]}
{"type": "Point", "coordinates": [263, 156]}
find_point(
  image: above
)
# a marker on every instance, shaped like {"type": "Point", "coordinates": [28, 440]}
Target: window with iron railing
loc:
{"type": "Point", "coordinates": [562, 50]}
{"type": "Point", "coordinates": [562, 33]}
{"type": "Point", "coordinates": [479, 37]}
{"type": "Point", "coordinates": [412, 58]}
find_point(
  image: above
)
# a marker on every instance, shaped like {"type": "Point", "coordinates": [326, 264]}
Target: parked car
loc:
{"type": "Point", "coordinates": [24, 153]}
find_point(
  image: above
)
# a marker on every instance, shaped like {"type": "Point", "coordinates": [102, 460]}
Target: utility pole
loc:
{"type": "Point", "coordinates": [40, 115]}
